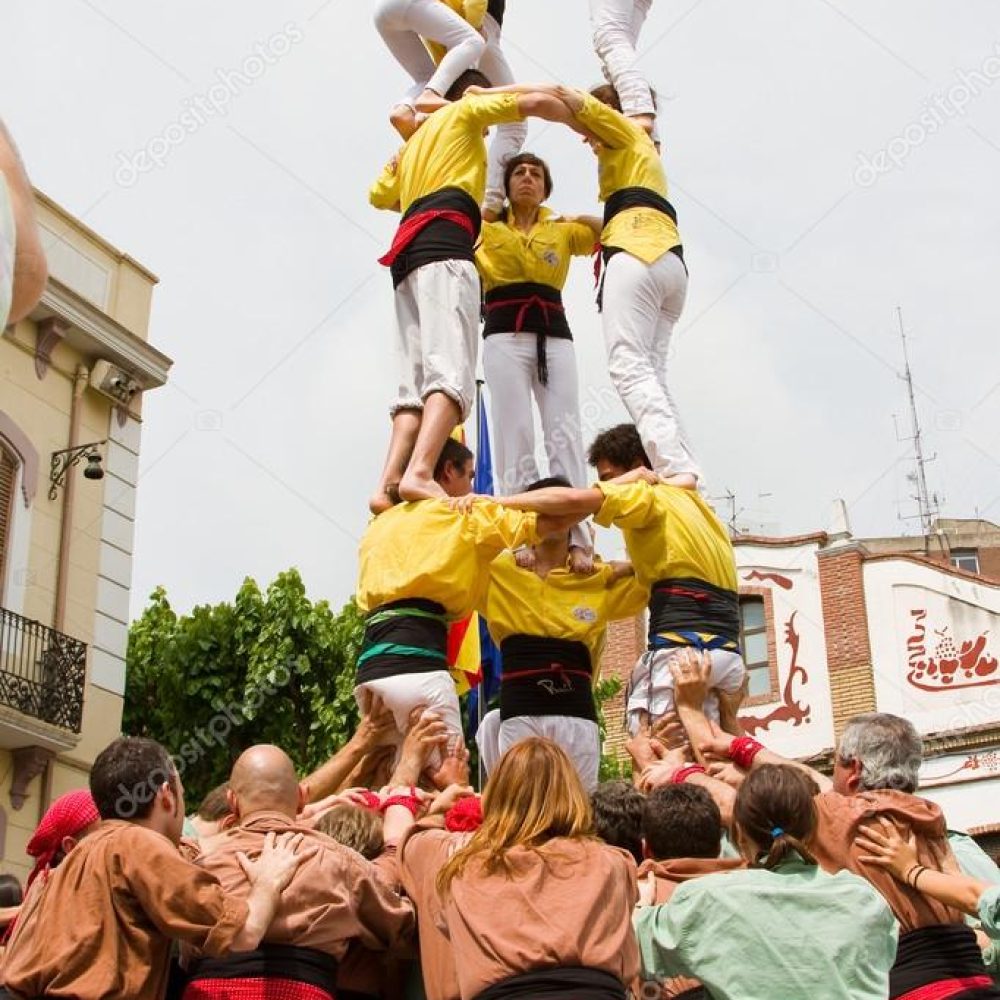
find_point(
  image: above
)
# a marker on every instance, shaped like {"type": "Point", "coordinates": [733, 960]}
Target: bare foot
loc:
{"type": "Point", "coordinates": [416, 487]}
{"type": "Point", "coordinates": [428, 102]}
{"type": "Point", "coordinates": [645, 122]}
{"type": "Point", "coordinates": [581, 560]}
{"type": "Point", "coordinates": [683, 479]}
{"type": "Point", "coordinates": [382, 499]}
{"type": "Point", "coordinates": [404, 120]}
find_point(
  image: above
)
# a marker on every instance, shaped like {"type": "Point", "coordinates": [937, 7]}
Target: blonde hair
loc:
{"type": "Point", "coordinates": [533, 796]}
{"type": "Point", "coordinates": [354, 827]}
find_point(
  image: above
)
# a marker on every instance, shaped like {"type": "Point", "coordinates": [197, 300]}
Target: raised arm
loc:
{"type": "Point", "coordinates": [557, 502]}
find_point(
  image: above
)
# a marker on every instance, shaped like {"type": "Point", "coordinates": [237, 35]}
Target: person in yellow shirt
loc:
{"type": "Point", "coordinates": [422, 565]}
{"type": "Point", "coordinates": [679, 550]}
{"type": "Point", "coordinates": [523, 260]}
{"type": "Point", "coordinates": [454, 26]}
{"type": "Point", "coordinates": [437, 181]}
{"type": "Point", "coordinates": [550, 625]}
{"type": "Point", "coordinates": [645, 278]}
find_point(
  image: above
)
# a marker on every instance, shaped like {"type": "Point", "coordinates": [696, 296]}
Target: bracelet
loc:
{"type": "Point", "coordinates": [681, 775]}
{"type": "Point", "coordinates": [909, 871]}
{"type": "Point", "coordinates": [916, 878]}
{"type": "Point", "coordinates": [410, 802]}
{"type": "Point", "coordinates": [742, 751]}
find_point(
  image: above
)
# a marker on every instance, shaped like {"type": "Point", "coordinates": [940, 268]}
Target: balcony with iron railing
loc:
{"type": "Point", "coordinates": [43, 675]}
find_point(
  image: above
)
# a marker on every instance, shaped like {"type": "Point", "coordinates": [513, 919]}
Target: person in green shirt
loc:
{"type": "Point", "coordinates": [783, 929]}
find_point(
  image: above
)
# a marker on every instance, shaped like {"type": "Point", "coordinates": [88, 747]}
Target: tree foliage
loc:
{"type": "Point", "coordinates": [270, 667]}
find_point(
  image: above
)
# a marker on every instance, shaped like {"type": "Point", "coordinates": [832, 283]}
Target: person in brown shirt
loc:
{"type": "Point", "coordinates": [876, 768]}
{"type": "Point", "coordinates": [338, 896]}
{"type": "Point", "coordinates": [534, 903]}
{"type": "Point", "coordinates": [102, 925]}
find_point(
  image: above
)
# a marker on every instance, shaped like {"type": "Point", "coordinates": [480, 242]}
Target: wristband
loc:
{"type": "Point", "coordinates": [742, 751]}
{"type": "Point", "coordinates": [370, 802]}
{"type": "Point", "coordinates": [410, 802]}
{"type": "Point", "coordinates": [681, 775]}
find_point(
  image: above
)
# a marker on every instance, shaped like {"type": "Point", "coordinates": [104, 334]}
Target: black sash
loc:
{"type": "Point", "coordinates": [570, 983]}
{"type": "Point", "coordinates": [689, 605]}
{"type": "Point", "coordinates": [272, 961]}
{"type": "Point", "coordinates": [496, 8]}
{"type": "Point", "coordinates": [396, 642]}
{"type": "Point", "coordinates": [530, 307]}
{"type": "Point", "coordinates": [544, 676]}
{"type": "Point", "coordinates": [441, 239]}
{"type": "Point", "coordinates": [934, 954]}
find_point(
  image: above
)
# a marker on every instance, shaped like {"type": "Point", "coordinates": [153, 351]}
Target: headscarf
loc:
{"type": "Point", "coordinates": [66, 817]}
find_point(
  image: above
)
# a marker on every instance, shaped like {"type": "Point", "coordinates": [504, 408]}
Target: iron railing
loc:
{"type": "Point", "coordinates": [42, 672]}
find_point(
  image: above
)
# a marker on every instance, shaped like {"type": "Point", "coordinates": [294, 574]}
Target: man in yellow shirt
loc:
{"type": "Point", "coordinates": [679, 549]}
{"type": "Point", "coordinates": [645, 278]}
{"type": "Point", "coordinates": [422, 565]}
{"type": "Point", "coordinates": [550, 625]}
{"type": "Point", "coordinates": [523, 261]}
{"type": "Point", "coordinates": [437, 181]}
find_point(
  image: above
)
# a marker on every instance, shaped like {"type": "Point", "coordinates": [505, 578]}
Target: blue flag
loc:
{"type": "Point", "coordinates": [490, 655]}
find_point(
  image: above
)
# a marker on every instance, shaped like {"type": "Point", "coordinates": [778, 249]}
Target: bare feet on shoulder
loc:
{"type": "Point", "coordinates": [417, 487]}
{"type": "Point", "coordinates": [383, 498]}
{"type": "Point", "coordinates": [429, 102]}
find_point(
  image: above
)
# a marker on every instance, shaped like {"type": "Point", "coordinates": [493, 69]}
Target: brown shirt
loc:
{"type": "Point", "coordinates": [671, 873]}
{"type": "Point", "coordinates": [421, 858]}
{"type": "Point", "coordinates": [335, 896]}
{"type": "Point", "coordinates": [102, 925]}
{"type": "Point", "coordinates": [568, 903]}
{"type": "Point", "coordinates": [840, 817]}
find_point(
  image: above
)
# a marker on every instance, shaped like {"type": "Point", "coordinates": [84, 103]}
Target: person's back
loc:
{"type": "Point", "coordinates": [834, 934]}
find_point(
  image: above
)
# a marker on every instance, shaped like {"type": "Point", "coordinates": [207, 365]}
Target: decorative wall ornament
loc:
{"type": "Point", "coordinates": [948, 665]}
{"type": "Point", "coordinates": [48, 333]}
{"type": "Point", "coordinates": [790, 709]}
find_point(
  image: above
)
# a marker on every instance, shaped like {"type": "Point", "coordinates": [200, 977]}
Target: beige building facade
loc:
{"type": "Point", "coordinates": [72, 378]}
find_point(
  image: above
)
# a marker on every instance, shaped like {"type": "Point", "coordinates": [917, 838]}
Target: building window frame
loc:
{"type": "Point", "coordinates": [9, 513]}
{"type": "Point", "coordinates": [766, 596]}
{"type": "Point", "coordinates": [959, 557]}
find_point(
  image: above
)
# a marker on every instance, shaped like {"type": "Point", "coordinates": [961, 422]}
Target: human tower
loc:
{"type": "Point", "coordinates": [475, 239]}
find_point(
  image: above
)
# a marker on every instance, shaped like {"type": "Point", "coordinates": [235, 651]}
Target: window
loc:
{"type": "Point", "coordinates": [8, 473]}
{"type": "Point", "coordinates": [753, 641]}
{"type": "Point", "coordinates": [967, 559]}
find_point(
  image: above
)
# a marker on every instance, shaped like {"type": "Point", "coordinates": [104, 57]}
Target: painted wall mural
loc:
{"type": "Point", "coordinates": [791, 709]}
{"type": "Point", "coordinates": [941, 660]}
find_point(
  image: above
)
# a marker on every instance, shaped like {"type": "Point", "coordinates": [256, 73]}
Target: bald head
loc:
{"type": "Point", "coordinates": [264, 778]}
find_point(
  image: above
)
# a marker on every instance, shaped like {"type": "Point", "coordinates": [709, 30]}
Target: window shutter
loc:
{"type": "Point", "coordinates": [8, 472]}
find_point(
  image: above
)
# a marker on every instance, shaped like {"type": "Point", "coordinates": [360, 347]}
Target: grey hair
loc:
{"type": "Point", "coordinates": [888, 748]}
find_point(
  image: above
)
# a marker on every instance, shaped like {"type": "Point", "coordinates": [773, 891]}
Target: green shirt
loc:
{"type": "Point", "coordinates": [989, 912]}
{"type": "Point", "coordinates": [788, 934]}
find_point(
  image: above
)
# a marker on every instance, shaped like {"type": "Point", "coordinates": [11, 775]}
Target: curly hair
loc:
{"type": "Point", "coordinates": [619, 445]}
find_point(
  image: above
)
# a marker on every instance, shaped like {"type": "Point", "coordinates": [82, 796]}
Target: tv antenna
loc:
{"type": "Point", "coordinates": [928, 505]}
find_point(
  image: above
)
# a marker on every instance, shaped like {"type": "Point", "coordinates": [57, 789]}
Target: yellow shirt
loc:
{"type": "Point", "coordinates": [563, 605]}
{"type": "Point", "coordinates": [505, 255]}
{"type": "Point", "coordinates": [472, 11]}
{"type": "Point", "coordinates": [425, 549]}
{"type": "Point", "coordinates": [446, 151]}
{"type": "Point", "coordinates": [670, 533]}
{"type": "Point", "coordinates": [628, 158]}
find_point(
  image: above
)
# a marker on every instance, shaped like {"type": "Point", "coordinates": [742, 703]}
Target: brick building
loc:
{"type": "Point", "coordinates": [835, 625]}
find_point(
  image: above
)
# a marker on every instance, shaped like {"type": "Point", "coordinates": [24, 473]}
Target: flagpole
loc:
{"type": "Point", "coordinates": [482, 681]}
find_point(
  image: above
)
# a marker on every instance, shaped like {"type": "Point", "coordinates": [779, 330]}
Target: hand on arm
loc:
{"type": "Point", "coordinates": [887, 848]}
{"type": "Point", "coordinates": [268, 876]}
{"type": "Point", "coordinates": [427, 733]}
{"type": "Point", "coordinates": [444, 800]}
{"type": "Point", "coordinates": [558, 501]}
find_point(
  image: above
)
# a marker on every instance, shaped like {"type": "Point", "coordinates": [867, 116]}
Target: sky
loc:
{"type": "Point", "coordinates": [829, 161]}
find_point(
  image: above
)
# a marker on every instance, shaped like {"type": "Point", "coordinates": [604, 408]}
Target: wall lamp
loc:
{"type": "Point", "coordinates": [64, 460]}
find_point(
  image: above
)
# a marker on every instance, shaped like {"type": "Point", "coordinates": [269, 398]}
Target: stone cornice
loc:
{"type": "Point", "coordinates": [99, 335]}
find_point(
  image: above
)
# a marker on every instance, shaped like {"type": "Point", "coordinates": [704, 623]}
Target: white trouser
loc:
{"type": "Point", "coordinates": [8, 243]}
{"type": "Point", "coordinates": [641, 304]}
{"type": "Point", "coordinates": [616, 26]}
{"type": "Point", "coordinates": [437, 333]}
{"type": "Point", "coordinates": [510, 363]}
{"type": "Point", "coordinates": [401, 694]}
{"type": "Point", "coordinates": [651, 686]}
{"type": "Point", "coordinates": [507, 139]}
{"type": "Point", "coordinates": [402, 23]}
{"type": "Point", "coordinates": [580, 738]}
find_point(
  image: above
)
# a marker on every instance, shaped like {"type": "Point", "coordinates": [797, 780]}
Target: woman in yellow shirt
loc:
{"type": "Point", "coordinates": [523, 259]}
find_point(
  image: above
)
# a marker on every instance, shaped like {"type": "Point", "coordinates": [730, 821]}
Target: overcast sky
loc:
{"type": "Point", "coordinates": [828, 161]}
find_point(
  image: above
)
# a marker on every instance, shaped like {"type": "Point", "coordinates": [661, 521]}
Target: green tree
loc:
{"type": "Point", "coordinates": [611, 766]}
{"type": "Point", "coordinates": [271, 667]}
